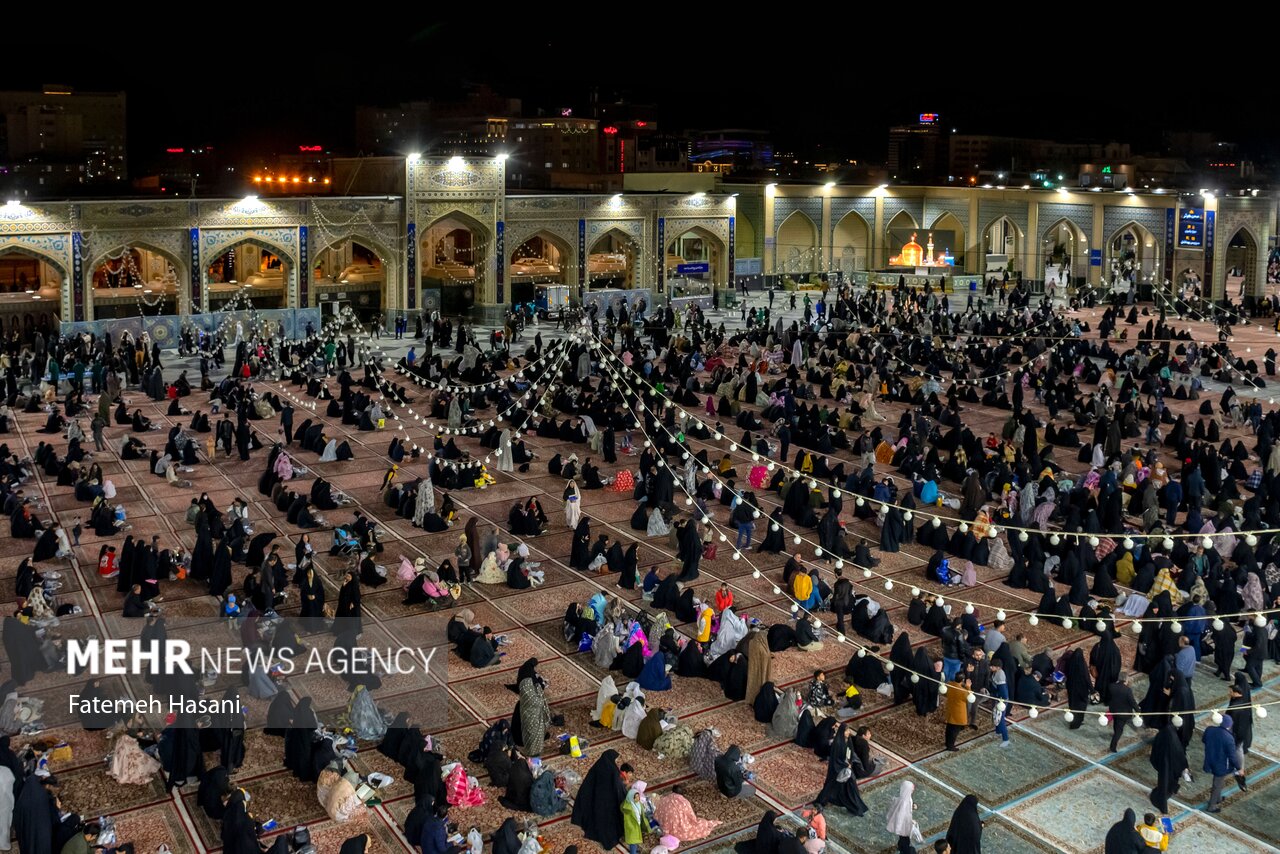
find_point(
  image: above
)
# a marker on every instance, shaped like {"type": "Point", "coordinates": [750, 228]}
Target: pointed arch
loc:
{"type": "Point", "coordinates": [455, 247]}
{"type": "Point", "coordinates": [1240, 264]}
{"type": "Point", "coordinates": [1002, 236]}
{"type": "Point", "coordinates": [850, 243]}
{"type": "Point", "coordinates": [697, 244]}
{"type": "Point", "coordinates": [1064, 252]}
{"type": "Point", "coordinates": [540, 258]}
{"type": "Point", "coordinates": [13, 247]}
{"type": "Point", "coordinates": [797, 244]}
{"type": "Point", "coordinates": [1132, 252]}
{"type": "Point", "coordinates": [18, 307]}
{"type": "Point", "coordinates": [948, 221]}
{"type": "Point", "coordinates": [366, 277]}
{"type": "Point", "coordinates": [265, 280]}
{"type": "Point", "coordinates": [611, 260]}
{"type": "Point", "coordinates": [111, 295]}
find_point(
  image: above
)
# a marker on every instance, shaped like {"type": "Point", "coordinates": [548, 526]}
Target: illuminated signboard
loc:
{"type": "Point", "coordinates": [930, 118]}
{"type": "Point", "coordinates": [1191, 228]}
{"type": "Point", "coordinates": [310, 148]}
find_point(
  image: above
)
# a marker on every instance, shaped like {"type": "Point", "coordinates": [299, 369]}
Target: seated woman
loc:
{"type": "Point", "coordinates": [53, 424]}
{"type": "Point", "coordinates": [322, 495]}
{"type": "Point", "coordinates": [140, 424]}
{"type": "Point", "coordinates": [307, 518]}
{"type": "Point", "coordinates": [369, 575]}
{"type": "Point", "coordinates": [122, 415]}
{"type": "Point", "coordinates": [591, 476]}
{"type": "Point", "coordinates": [428, 586]}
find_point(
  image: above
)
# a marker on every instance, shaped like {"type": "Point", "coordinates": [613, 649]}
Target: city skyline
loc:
{"type": "Point", "coordinates": [817, 100]}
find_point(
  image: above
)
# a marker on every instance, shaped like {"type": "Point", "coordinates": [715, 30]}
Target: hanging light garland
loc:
{"type": "Point", "coordinates": [864, 650]}
{"type": "Point", "coordinates": [993, 530]}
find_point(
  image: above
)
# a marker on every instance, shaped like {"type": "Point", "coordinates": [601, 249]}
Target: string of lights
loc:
{"type": "Point", "coordinates": [863, 650]}
{"type": "Point", "coordinates": [609, 360]}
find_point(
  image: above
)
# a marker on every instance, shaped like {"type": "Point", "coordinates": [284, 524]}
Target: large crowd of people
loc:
{"type": "Point", "coordinates": [769, 440]}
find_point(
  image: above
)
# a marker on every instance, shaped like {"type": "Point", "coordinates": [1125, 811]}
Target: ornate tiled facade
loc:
{"type": "Point", "coordinates": [74, 238]}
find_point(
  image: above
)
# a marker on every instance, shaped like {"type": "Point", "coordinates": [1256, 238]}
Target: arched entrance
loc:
{"type": "Point", "coordinates": [1064, 249]}
{"type": "Point", "coordinates": [133, 280]}
{"type": "Point", "coordinates": [454, 253]}
{"type": "Point", "coordinates": [611, 262]}
{"type": "Point", "coordinates": [1001, 244]}
{"type": "Point", "coordinates": [948, 238]}
{"type": "Point", "coordinates": [257, 271]}
{"type": "Point", "coordinates": [1241, 268]}
{"type": "Point", "coordinates": [901, 231]}
{"type": "Point", "coordinates": [1132, 255]}
{"type": "Point", "coordinates": [693, 247]}
{"type": "Point", "coordinates": [850, 244]}
{"type": "Point", "coordinates": [797, 245]}
{"type": "Point", "coordinates": [30, 292]}
{"type": "Point", "coordinates": [540, 260]}
{"type": "Point", "coordinates": [351, 273]}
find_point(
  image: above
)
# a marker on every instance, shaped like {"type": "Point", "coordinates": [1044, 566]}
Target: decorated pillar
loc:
{"type": "Point", "coordinates": [825, 237]}
{"type": "Point", "coordinates": [411, 265]}
{"type": "Point", "coordinates": [195, 293]}
{"type": "Point", "coordinates": [662, 255]}
{"type": "Point", "coordinates": [879, 258]}
{"type": "Point", "coordinates": [975, 260]}
{"type": "Point", "coordinates": [500, 244]}
{"type": "Point", "coordinates": [770, 238]}
{"type": "Point", "coordinates": [77, 276]}
{"type": "Point", "coordinates": [731, 278]}
{"type": "Point", "coordinates": [304, 268]}
{"type": "Point", "coordinates": [1210, 262]}
{"type": "Point", "coordinates": [1033, 242]}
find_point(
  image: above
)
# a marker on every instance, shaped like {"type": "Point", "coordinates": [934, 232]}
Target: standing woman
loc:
{"type": "Point", "coordinates": [598, 806]}
{"type": "Point", "coordinates": [347, 614]}
{"type": "Point", "coordinates": [841, 785]}
{"type": "Point", "coordinates": [902, 820]}
{"type": "Point", "coordinates": [572, 504]}
{"type": "Point", "coordinates": [311, 589]}
{"type": "Point", "coordinates": [580, 554]}
{"type": "Point", "coordinates": [1079, 686]}
{"type": "Point", "coordinates": [1169, 759]}
{"type": "Point", "coordinates": [535, 716]}
{"type": "Point", "coordinates": [965, 833]}
{"type": "Point", "coordinates": [505, 461]}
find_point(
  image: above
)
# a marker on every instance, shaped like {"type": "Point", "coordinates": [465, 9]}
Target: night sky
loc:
{"type": "Point", "coordinates": [815, 83]}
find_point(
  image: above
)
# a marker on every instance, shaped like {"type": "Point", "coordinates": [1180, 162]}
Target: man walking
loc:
{"type": "Point", "coordinates": [97, 426]}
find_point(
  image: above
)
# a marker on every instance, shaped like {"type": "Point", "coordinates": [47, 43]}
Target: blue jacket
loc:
{"type": "Point", "coordinates": [436, 841]}
{"type": "Point", "coordinates": [1219, 752]}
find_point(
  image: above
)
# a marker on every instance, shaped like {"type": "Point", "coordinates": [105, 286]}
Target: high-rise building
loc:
{"type": "Point", "coordinates": [918, 153]}
{"type": "Point", "coordinates": [58, 139]}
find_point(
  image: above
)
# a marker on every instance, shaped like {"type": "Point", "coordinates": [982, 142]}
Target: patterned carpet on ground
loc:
{"type": "Point", "coordinates": [1055, 789]}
